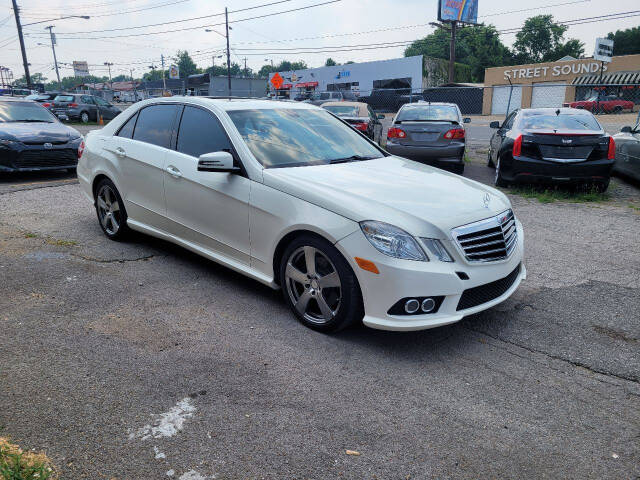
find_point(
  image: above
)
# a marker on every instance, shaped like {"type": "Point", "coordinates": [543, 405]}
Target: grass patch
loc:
{"type": "Point", "coordinates": [30, 235]}
{"type": "Point", "coordinates": [466, 158]}
{"type": "Point", "coordinates": [634, 207]}
{"type": "Point", "coordinates": [16, 464]}
{"type": "Point", "coordinates": [550, 195]}
{"type": "Point", "coordinates": [61, 243]}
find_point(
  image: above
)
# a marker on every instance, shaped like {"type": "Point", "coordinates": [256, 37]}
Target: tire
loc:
{"type": "Point", "coordinates": [617, 109]}
{"type": "Point", "coordinates": [71, 170]}
{"type": "Point", "coordinates": [112, 215]}
{"type": "Point", "coordinates": [329, 308]}
{"type": "Point", "coordinates": [84, 117]}
{"type": "Point", "coordinates": [601, 187]}
{"type": "Point", "coordinates": [499, 180]}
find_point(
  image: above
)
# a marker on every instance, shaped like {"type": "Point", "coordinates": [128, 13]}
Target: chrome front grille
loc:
{"type": "Point", "coordinates": [488, 240]}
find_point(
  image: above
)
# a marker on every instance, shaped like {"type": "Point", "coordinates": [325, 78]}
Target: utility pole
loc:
{"type": "Point", "coordinates": [164, 82]}
{"type": "Point", "coordinates": [24, 52]}
{"type": "Point", "coordinates": [246, 72]}
{"type": "Point", "coordinates": [109, 64]}
{"type": "Point", "coordinates": [55, 60]}
{"type": "Point", "coordinates": [226, 21]}
{"type": "Point", "coordinates": [1, 76]}
{"type": "Point", "coordinates": [133, 84]}
{"type": "Point", "coordinates": [452, 53]}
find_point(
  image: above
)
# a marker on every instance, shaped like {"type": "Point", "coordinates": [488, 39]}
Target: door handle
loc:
{"type": "Point", "coordinates": [173, 171]}
{"type": "Point", "coordinates": [120, 151]}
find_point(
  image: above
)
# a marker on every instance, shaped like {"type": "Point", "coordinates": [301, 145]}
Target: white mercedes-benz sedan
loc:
{"type": "Point", "coordinates": [293, 197]}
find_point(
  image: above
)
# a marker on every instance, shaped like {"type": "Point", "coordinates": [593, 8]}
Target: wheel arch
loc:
{"type": "Point", "coordinates": [284, 242]}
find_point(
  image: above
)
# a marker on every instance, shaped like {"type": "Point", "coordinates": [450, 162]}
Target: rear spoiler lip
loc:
{"type": "Point", "coordinates": [566, 133]}
{"type": "Point", "coordinates": [453, 122]}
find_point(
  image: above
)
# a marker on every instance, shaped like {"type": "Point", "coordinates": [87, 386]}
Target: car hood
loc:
{"type": "Point", "coordinates": [420, 199]}
{"type": "Point", "coordinates": [32, 132]}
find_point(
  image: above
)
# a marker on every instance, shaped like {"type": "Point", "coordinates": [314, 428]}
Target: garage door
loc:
{"type": "Point", "coordinates": [547, 95]}
{"type": "Point", "coordinates": [501, 99]}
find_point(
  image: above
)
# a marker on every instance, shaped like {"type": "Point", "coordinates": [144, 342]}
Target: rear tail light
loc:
{"type": "Point", "coordinates": [396, 133]}
{"type": "Point", "coordinates": [80, 149]}
{"type": "Point", "coordinates": [46, 105]}
{"type": "Point", "coordinates": [454, 133]}
{"type": "Point", "coordinates": [72, 105]}
{"type": "Point", "coordinates": [611, 153]}
{"type": "Point", "coordinates": [361, 126]}
{"type": "Point", "coordinates": [517, 146]}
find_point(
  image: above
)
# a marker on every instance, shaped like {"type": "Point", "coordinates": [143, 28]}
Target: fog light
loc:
{"type": "Point", "coordinates": [411, 306]}
{"type": "Point", "coordinates": [428, 304]}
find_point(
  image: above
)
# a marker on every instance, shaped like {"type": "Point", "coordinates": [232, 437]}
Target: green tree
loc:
{"type": "Point", "coordinates": [153, 75]}
{"type": "Point", "coordinates": [626, 42]}
{"type": "Point", "coordinates": [35, 78]}
{"type": "Point", "coordinates": [330, 62]}
{"type": "Point", "coordinates": [186, 64]}
{"type": "Point", "coordinates": [121, 78]}
{"type": "Point", "coordinates": [541, 40]}
{"type": "Point", "coordinates": [478, 46]}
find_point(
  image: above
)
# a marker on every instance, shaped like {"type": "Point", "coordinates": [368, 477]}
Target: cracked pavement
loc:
{"type": "Point", "coordinates": [101, 339]}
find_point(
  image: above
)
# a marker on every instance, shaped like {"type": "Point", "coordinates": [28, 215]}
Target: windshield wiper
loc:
{"type": "Point", "coordinates": [29, 120]}
{"type": "Point", "coordinates": [352, 158]}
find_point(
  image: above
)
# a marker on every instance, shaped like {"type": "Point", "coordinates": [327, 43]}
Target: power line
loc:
{"type": "Point", "coordinates": [199, 26]}
{"type": "Point", "coordinates": [580, 21]}
{"type": "Point", "coordinates": [152, 7]}
{"type": "Point", "coordinates": [533, 8]}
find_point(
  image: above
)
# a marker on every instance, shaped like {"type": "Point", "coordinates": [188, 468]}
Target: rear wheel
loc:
{"type": "Point", "coordinates": [110, 209]}
{"type": "Point", "coordinates": [489, 160]}
{"type": "Point", "coordinates": [319, 285]}
{"type": "Point", "coordinates": [84, 117]}
{"type": "Point", "coordinates": [458, 169]}
{"type": "Point", "coordinates": [601, 187]}
{"type": "Point", "coordinates": [617, 109]}
{"type": "Point", "coordinates": [499, 180]}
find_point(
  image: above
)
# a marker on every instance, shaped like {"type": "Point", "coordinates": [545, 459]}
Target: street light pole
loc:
{"type": "Point", "coordinates": [452, 53]}
{"type": "Point", "coordinates": [226, 21]}
{"type": "Point", "coordinates": [108, 64]}
{"type": "Point", "coordinates": [22, 49]}
{"type": "Point", "coordinates": [55, 60]}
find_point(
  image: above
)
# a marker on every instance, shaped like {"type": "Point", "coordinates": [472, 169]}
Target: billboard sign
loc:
{"type": "Point", "coordinates": [458, 11]}
{"type": "Point", "coordinates": [604, 50]}
{"type": "Point", "coordinates": [174, 72]}
{"type": "Point", "coordinates": [80, 69]}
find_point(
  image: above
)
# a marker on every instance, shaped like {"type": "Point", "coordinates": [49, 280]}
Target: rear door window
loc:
{"type": "Point", "coordinates": [86, 99]}
{"type": "Point", "coordinates": [155, 124]}
{"type": "Point", "coordinates": [200, 132]}
{"type": "Point", "coordinates": [126, 131]}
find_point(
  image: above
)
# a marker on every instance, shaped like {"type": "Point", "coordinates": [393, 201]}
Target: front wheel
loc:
{"type": "Point", "coordinates": [84, 117]}
{"type": "Point", "coordinates": [319, 285]}
{"type": "Point", "coordinates": [499, 180]}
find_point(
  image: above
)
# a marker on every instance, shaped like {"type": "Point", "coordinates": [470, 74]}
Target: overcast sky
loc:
{"type": "Point", "coordinates": [265, 36]}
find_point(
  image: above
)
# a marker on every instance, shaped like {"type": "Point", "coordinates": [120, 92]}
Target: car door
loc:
{"type": "Point", "coordinates": [88, 105]}
{"type": "Point", "coordinates": [499, 136]}
{"type": "Point", "coordinates": [210, 209]}
{"type": "Point", "coordinates": [106, 110]}
{"type": "Point", "coordinates": [140, 147]}
{"type": "Point", "coordinates": [633, 153]}
{"type": "Point", "coordinates": [377, 125]}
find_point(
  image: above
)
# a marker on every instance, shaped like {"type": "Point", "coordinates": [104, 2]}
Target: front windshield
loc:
{"type": "Point", "coordinates": [428, 113]}
{"type": "Point", "coordinates": [24, 112]}
{"type": "Point", "coordinates": [342, 111]}
{"type": "Point", "coordinates": [551, 121]}
{"type": "Point", "coordinates": [281, 137]}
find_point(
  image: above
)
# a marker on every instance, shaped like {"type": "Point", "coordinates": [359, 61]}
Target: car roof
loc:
{"type": "Point", "coordinates": [346, 104]}
{"type": "Point", "coordinates": [423, 103]}
{"type": "Point", "coordinates": [230, 104]}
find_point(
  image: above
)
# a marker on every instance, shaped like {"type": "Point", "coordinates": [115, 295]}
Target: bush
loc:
{"type": "Point", "coordinates": [16, 464]}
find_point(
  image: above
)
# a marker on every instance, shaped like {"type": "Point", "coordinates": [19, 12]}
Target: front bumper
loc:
{"type": "Point", "coordinates": [27, 158]}
{"type": "Point", "coordinates": [439, 156]}
{"type": "Point", "coordinates": [525, 169]}
{"type": "Point", "coordinates": [399, 279]}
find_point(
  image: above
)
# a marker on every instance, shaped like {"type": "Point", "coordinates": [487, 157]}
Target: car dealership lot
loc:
{"type": "Point", "coordinates": [100, 336]}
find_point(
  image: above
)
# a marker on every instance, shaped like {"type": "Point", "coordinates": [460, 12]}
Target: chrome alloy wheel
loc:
{"type": "Point", "coordinates": [109, 210]}
{"type": "Point", "coordinates": [313, 285]}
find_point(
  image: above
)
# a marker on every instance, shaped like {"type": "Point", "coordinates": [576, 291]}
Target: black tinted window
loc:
{"type": "Point", "coordinates": [551, 121]}
{"type": "Point", "coordinates": [127, 129]}
{"type": "Point", "coordinates": [154, 124]}
{"type": "Point", "coordinates": [200, 133]}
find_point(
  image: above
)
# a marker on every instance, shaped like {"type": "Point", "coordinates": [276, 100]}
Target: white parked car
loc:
{"type": "Point", "coordinates": [292, 197]}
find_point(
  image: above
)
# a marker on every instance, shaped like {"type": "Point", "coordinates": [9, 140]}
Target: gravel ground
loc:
{"type": "Point", "coordinates": [99, 338]}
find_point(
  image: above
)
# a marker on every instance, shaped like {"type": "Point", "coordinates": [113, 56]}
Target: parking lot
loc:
{"type": "Point", "coordinates": [142, 360]}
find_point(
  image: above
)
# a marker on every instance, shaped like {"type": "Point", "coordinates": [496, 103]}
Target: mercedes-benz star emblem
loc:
{"type": "Point", "coordinates": [486, 199]}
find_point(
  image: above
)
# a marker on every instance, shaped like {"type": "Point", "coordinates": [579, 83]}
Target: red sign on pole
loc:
{"type": "Point", "coordinates": [276, 80]}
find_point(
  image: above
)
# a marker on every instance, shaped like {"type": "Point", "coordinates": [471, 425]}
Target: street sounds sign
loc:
{"type": "Point", "coordinates": [174, 72]}
{"type": "Point", "coordinates": [604, 50]}
{"type": "Point", "coordinates": [276, 80]}
{"type": "Point", "coordinates": [465, 11]}
{"type": "Point", "coordinates": [80, 69]}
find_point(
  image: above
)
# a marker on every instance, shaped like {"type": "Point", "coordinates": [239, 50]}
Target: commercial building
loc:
{"type": "Point", "coordinates": [554, 83]}
{"type": "Point", "coordinates": [398, 73]}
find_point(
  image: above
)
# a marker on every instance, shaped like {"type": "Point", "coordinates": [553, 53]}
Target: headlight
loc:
{"type": "Point", "coordinates": [4, 141]}
{"type": "Point", "coordinates": [392, 241]}
{"type": "Point", "coordinates": [436, 247]}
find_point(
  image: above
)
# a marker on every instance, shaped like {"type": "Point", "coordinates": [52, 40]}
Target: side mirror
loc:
{"type": "Point", "coordinates": [466, 120]}
{"type": "Point", "coordinates": [626, 129]}
{"type": "Point", "coordinates": [380, 116]}
{"type": "Point", "coordinates": [216, 162]}
{"type": "Point", "coordinates": [494, 125]}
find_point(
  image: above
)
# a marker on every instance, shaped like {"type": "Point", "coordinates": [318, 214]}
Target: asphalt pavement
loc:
{"type": "Point", "coordinates": [140, 360]}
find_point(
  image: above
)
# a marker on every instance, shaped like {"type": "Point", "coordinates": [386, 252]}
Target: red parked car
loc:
{"type": "Point", "coordinates": [606, 104]}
